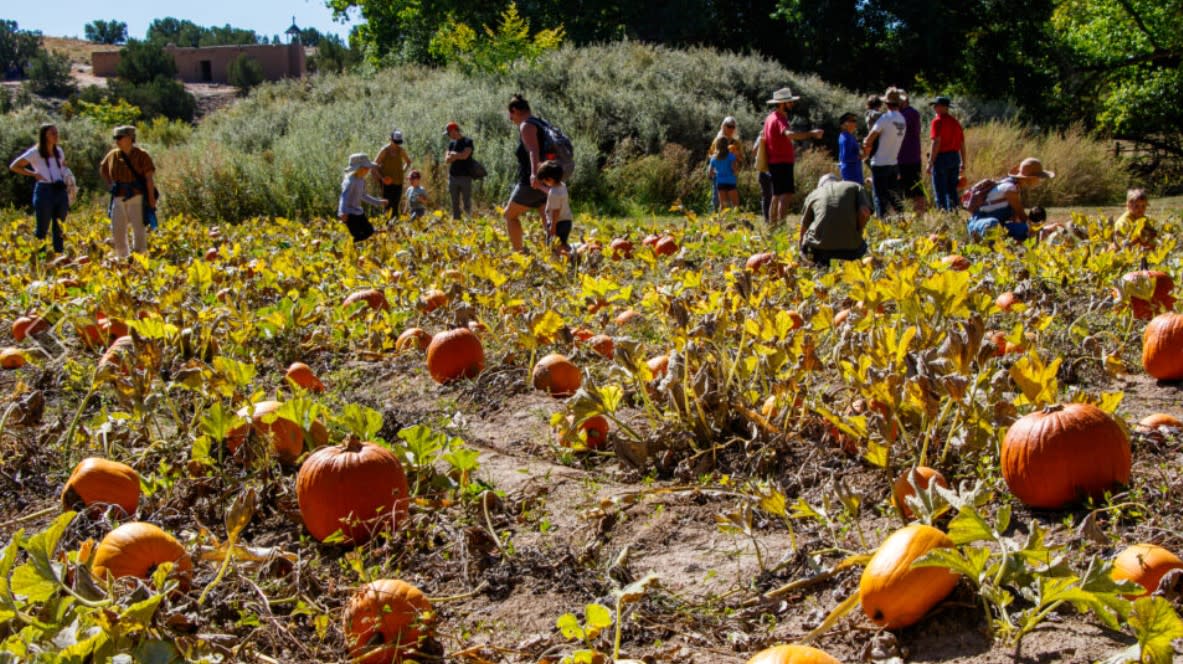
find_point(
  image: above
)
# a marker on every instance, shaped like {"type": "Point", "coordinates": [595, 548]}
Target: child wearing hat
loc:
{"type": "Point", "coordinates": [353, 194]}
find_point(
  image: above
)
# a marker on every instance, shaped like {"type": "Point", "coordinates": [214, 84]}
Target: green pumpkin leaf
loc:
{"type": "Point", "coordinates": [968, 527]}
{"type": "Point", "coordinates": [569, 627]}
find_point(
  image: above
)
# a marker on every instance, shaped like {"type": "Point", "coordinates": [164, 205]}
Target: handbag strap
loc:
{"type": "Point", "coordinates": [140, 179]}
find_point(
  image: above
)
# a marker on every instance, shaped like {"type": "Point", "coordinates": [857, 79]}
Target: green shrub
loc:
{"type": "Point", "coordinates": [49, 74]}
{"type": "Point", "coordinates": [164, 132]}
{"type": "Point", "coordinates": [244, 73]}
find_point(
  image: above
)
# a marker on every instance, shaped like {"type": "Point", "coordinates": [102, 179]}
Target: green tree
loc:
{"type": "Point", "coordinates": [244, 73]}
{"type": "Point", "coordinates": [1126, 69]}
{"type": "Point", "coordinates": [333, 55]}
{"type": "Point", "coordinates": [49, 74]}
{"type": "Point", "coordinates": [495, 51]}
{"type": "Point", "coordinates": [106, 32]}
{"type": "Point", "coordinates": [145, 78]}
{"type": "Point", "coordinates": [182, 32]}
{"type": "Point", "coordinates": [17, 47]}
{"type": "Point", "coordinates": [143, 62]}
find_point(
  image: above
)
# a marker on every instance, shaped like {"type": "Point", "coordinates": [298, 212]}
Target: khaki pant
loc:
{"type": "Point", "coordinates": [125, 213]}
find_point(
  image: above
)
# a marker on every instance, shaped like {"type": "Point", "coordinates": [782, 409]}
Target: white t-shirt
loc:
{"type": "Point", "coordinates": [996, 199]}
{"type": "Point", "coordinates": [51, 170]}
{"type": "Point", "coordinates": [891, 127]}
{"type": "Point", "coordinates": [557, 200]}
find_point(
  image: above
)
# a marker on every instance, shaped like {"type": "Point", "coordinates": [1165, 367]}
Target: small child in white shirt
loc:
{"type": "Point", "coordinates": [558, 206]}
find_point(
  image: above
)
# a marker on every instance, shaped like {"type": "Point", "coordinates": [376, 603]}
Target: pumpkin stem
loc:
{"type": "Point", "coordinates": [1053, 408]}
{"type": "Point", "coordinates": [352, 443]}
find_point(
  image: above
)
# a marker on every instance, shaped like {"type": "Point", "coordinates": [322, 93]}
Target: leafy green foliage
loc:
{"type": "Point", "coordinates": [497, 50]}
{"type": "Point", "coordinates": [106, 32]}
{"type": "Point", "coordinates": [49, 74]}
{"type": "Point", "coordinates": [182, 32]}
{"type": "Point", "coordinates": [244, 73]}
{"type": "Point", "coordinates": [17, 47]}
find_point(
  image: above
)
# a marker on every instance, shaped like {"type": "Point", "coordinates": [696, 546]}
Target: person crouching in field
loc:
{"type": "Point", "coordinates": [722, 173]}
{"type": "Point", "coordinates": [558, 217]}
{"type": "Point", "coordinates": [353, 194]}
{"type": "Point", "coordinates": [417, 198]}
{"type": "Point", "coordinates": [1132, 227]}
{"type": "Point", "coordinates": [833, 221]}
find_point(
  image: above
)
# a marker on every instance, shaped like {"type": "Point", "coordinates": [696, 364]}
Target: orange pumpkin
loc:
{"type": "Point", "coordinates": [1006, 301]}
{"type": "Point", "coordinates": [956, 262]}
{"type": "Point", "coordinates": [920, 476]}
{"type": "Point", "coordinates": [792, 654]}
{"type": "Point", "coordinates": [557, 376]}
{"type": "Point", "coordinates": [1162, 347]}
{"type": "Point", "coordinates": [357, 488]}
{"type": "Point", "coordinates": [28, 325]}
{"type": "Point", "coordinates": [603, 345]}
{"type": "Point", "coordinates": [797, 320]}
{"type": "Point", "coordinates": [1053, 457]}
{"type": "Point", "coordinates": [582, 334]}
{"type": "Point", "coordinates": [12, 358]}
{"type": "Point", "coordinates": [432, 299]}
{"type": "Point", "coordinates": [651, 240]}
{"type": "Point", "coordinates": [137, 549]}
{"type": "Point", "coordinates": [385, 620]}
{"type": "Point", "coordinates": [413, 338]}
{"type": "Point", "coordinates": [1144, 564]}
{"type": "Point", "coordinates": [100, 481]}
{"type": "Point", "coordinates": [892, 592]}
{"type": "Point", "coordinates": [658, 366]}
{"type": "Point", "coordinates": [1152, 423]}
{"type": "Point", "coordinates": [627, 316]}
{"type": "Point", "coordinates": [757, 261]}
{"type": "Point", "coordinates": [120, 355]}
{"type": "Point", "coordinates": [286, 436]}
{"type": "Point", "coordinates": [111, 329]}
{"type": "Point", "coordinates": [301, 375]}
{"type": "Point", "coordinates": [455, 354]}
{"type": "Point", "coordinates": [1159, 301]}
{"type": "Point", "coordinates": [373, 298]}
{"type": "Point", "coordinates": [595, 430]}
{"type": "Point", "coordinates": [666, 246]}
{"type": "Point", "coordinates": [620, 248]}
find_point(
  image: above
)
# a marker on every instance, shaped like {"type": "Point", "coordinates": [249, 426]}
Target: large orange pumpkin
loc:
{"type": "Point", "coordinates": [286, 436]}
{"type": "Point", "coordinates": [374, 299]}
{"type": "Point", "coordinates": [792, 654]}
{"type": "Point", "coordinates": [357, 488]}
{"type": "Point", "coordinates": [1144, 564]}
{"type": "Point", "coordinates": [557, 376]}
{"type": "Point", "coordinates": [12, 358]}
{"type": "Point", "coordinates": [1053, 457]}
{"type": "Point", "coordinates": [384, 620]}
{"type": "Point", "coordinates": [136, 549]}
{"type": "Point", "coordinates": [455, 354]}
{"type": "Point", "coordinates": [921, 476]}
{"type": "Point", "coordinates": [1159, 301]}
{"type": "Point", "coordinates": [301, 375]}
{"type": "Point", "coordinates": [892, 592]}
{"type": "Point", "coordinates": [101, 481]}
{"type": "Point", "coordinates": [1162, 347]}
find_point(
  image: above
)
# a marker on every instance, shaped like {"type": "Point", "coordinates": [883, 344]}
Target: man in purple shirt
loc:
{"type": "Point", "coordinates": [909, 159]}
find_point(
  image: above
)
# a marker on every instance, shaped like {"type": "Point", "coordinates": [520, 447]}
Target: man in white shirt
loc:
{"type": "Point", "coordinates": [889, 130]}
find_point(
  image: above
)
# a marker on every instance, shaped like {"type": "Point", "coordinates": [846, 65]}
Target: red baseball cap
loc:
{"type": "Point", "coordinates": [450, 126]}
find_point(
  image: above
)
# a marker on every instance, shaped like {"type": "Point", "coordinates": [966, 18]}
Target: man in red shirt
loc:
{"type": "Point", "coordinates": [778, 142]}
{"type": "Point", "coordinates": [946, 156]}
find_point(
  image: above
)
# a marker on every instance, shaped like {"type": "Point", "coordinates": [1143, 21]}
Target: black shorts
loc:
{"type": "Point", "coordinates": [725, 187]}
{"type": "Point", "coordinates": [527, 196]}
{"type": "Point", "coordinates": [359, 227]}
{"type": "Point", "coordinates": [910, 180]}
{"type": "Point", "coordinates": [563, 230]}
{"type": "Point", "coordinates": [782, 179]}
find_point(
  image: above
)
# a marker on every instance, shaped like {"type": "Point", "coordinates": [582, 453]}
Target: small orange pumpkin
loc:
{"type": "Point", "coordinates": [101, 481]}
{"type": "Point", "coordinates": [1152, 423]}
{"type": "Point", "coordinates": [603, 345]}
{"type": "Point", "coordinates": [301, 375]}
{"type": "Point", "coordinates": [374, 299]}
{"type": "Point", "coordinates": [1144, 564]}
{"type": "Point", "coordinates": [892, 592]}
{"type": "Point", "coordinates": [921, 476]}
{"type": "Point", "coordinates": [432, 299]}
{"type": "Point", "coordinates": [119, 356]}
{"type": "Point", "coordinates": [557, 376]}
{"type": "Point", "coordinates": [757, 261]}
{"type": "Point", "coordinates": [357, 488]}
{"type": "Point", "coordinates": [956, 262]}
{"type": "Point", "coordinates": [455, 354]}
{"type": "Point", "coordinates": [666, 246]}
{"type": "Point", "coordinates": [627, 316]}
{"type": "Point", "coordinates": [1006, 301]}
{"type": "Point", "coordinates": [413, 338]}
{"type": "Point", "coordinates": [28, 325]}
{"type": "Point", "coordinates": [792, 654]}
{"type": "Point", "coordinates": [658, 366]}
{"type": "Point", "coordinates": [595, 430]}
{"type": "Point", "coordinates": [1162, 347]}
{"type": "Point", "coordinates": [1053, 457]}
{"type": "Point", "coordinates": [620, 248]}
{"type": "Point", "coordinates": [136, 549]}
{"type": "Point", "coordinates": [385, 620]}
{"type": "Point", "coordinates": [1161, 299]}
{"type": "Point", "coordinates": [12, 358]}
{"type": "Point", "coordinates": [286, 436]}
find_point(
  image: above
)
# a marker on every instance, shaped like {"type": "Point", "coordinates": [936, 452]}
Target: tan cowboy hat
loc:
{"type": "Point", "coordinates": [1031, 168]}
{"type": "Point", "coordinates": [359, 160]}
{"type": "Point", "coordinates": [893, 96]}
{"type": "Point", "coordinates": [783, 96]}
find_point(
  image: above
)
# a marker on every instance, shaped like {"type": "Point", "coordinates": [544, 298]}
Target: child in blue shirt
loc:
{"type": "Point", "coordinates": [417, 199]}
{"type": "Point", "coordinates": [722, 171]}
{"type": "Point", "coordinates": [850, 162]}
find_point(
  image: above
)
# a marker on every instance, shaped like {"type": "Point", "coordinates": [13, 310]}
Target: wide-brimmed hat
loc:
{"type": "Point", "coordinates": [893, 96]}
{"type": "Point", "coordinates": [123, 130]}
{"type": "Point", "coordinates": [941, 101]}
{"type": "Point", "coordinates": [783, 96]}
{"type": "Point", "coordinates": [1031, 168]}
{"type": "Point", "coordinates": [449, 127]}
{"type": "Point", "coordinates": [396, 136]}
{"type": "Point", "coordinates": [359, 160]}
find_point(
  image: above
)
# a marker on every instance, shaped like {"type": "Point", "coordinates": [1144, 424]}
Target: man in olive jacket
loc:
{"type": "Point", "coordinates": [833, 221]}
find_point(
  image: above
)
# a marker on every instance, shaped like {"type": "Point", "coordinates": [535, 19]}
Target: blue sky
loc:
{"type": "Point", "coordinates": [66, 18]}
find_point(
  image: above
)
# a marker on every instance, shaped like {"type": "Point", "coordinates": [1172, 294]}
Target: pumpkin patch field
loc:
{"type": "Point", "coordinates": [681, 443]}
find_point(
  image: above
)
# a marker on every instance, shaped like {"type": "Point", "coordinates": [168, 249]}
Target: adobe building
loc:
{"type": "Point", "coordinates": [211, 64]}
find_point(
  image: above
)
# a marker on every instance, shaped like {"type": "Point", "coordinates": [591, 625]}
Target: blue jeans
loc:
{"type": "Point", "coordinates": [885, 184]}
{"type": "Point", "coordinates": [946, 170]}
{"type": "Point", "coordinates": [984, 221]}
{"type": "Point", "coordinates": [50, 205]}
